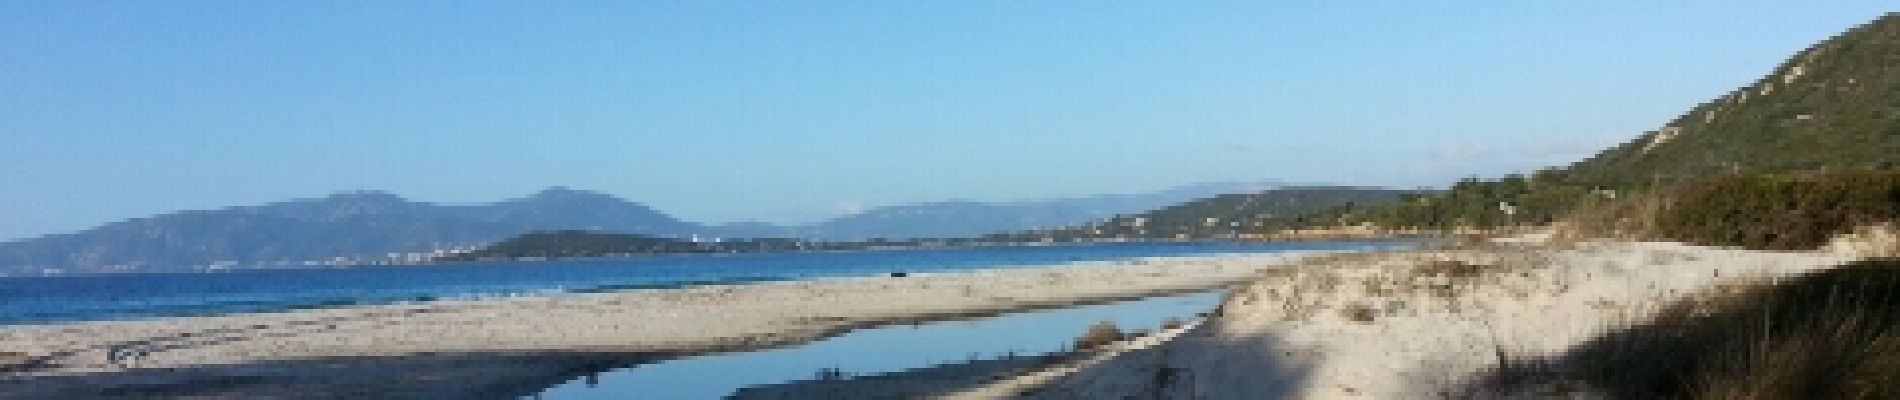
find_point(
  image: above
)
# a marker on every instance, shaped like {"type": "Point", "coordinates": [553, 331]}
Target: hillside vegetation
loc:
{"type": "Point", "coordinates": [1829, 107]}
{"type": "Point", "coordinates": [1230, 214]}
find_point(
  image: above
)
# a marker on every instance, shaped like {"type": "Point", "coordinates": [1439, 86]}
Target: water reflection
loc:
{"type": "Point", "coordinates": [877, 350]}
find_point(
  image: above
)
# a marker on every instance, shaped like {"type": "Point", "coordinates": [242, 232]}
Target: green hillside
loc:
{"type": "Point", "coordinates": [1829, 107]}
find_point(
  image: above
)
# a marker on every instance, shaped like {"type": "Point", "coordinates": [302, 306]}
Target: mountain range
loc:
{"type": "Point", "coordinates": [369, 225]}
{"type": "Point", "coordinates": [966, 218]}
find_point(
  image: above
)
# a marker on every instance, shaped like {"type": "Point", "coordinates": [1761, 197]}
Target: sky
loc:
{"type": "Point", "coordinates": [719, 111]}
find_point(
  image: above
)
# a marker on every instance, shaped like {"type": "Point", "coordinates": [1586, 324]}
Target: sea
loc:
{"type": "Point", "coordinates": [49, 299]}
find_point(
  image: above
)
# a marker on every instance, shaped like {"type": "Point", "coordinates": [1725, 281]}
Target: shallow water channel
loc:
{"type": "Point", "coordinates": [878, 350]}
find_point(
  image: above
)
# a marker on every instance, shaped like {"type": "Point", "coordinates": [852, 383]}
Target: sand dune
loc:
{"type": "Point", "coordinates": [1410, 324]}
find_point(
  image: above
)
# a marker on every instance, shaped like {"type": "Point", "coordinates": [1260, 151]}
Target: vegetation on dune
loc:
{"type": "Point", "coordinates": [1833, 334]}
{"type": "Point", "coordinates": [1099, 334]}
{"type": "Point", "coordinates": [1805, 154]}
{"type": "Point", "coordinates": [1773, 212]}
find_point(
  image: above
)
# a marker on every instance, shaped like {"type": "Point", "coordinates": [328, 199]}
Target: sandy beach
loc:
{"type": "Point", "coordinates": [1407, 324]}
{"type": "Point", "coordinates": [498, 348]}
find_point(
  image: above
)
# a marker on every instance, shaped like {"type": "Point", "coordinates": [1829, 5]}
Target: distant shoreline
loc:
{"type": "Point", "coordinates": [581, 245]}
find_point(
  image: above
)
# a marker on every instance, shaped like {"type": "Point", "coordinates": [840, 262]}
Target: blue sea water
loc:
{"type": "Point", "coordinates": [26, 300]}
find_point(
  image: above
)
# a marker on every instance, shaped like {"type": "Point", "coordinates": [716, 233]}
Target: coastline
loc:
{"type": "Point", "coordinates": [440, 348]}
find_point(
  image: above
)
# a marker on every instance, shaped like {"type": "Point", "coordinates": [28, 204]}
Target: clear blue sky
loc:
{"type": "Point", "coordinates": [786, 111]}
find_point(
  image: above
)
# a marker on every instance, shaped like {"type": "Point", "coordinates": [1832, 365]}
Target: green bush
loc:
{"type": "Point", "coordinates": [1778, 212]}
{"type": "Point", "coordinates": [1100, 334]}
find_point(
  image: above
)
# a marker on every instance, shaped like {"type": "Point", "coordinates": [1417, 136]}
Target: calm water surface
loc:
{"type": "Point", "coordinates": [878, 350]}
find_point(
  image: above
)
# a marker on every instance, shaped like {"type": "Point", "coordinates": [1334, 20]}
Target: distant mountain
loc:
{"type": "Point", "coordinates": [353, 224]}
{"type": "Point", "coordinates": [368, 225]}
{"type": "Point", "coordinates": [971, 218]}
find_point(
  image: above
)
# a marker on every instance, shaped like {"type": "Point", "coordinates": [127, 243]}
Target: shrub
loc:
{"type": "Point", "coordinates": [1172, 323]}
{"type": "Point", "coordinates": [1770, 212]}
{"type": "Point", "coordinates": [1359, 313]}
{"type": "Point", "coordinates": [1098, 335]}
{"type": "Point", "coordinates": [1451, 269]}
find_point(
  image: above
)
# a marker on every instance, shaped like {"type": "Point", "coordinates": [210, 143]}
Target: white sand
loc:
{"type": "Point", "coordinates": [633, 322]}
{"type": "Point", "coordinates": [1371, 326]}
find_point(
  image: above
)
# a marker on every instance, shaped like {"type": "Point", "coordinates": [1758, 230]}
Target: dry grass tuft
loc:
{"type": "Point", "coordinates": [1359, 313]}
{"type": "Point", "coordinates": [1172, 323]}
{"type": "Point", "coordinates": [1451, 269]}
{"type": "Point", "coordinates": [1098, 335]}
{"type": "Point", "coordinates": [1828, 335]}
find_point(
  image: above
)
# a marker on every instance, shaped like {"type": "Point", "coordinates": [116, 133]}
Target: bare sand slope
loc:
{"type": "Point", "coordinates": [482, 347]}
{"type": "Point", "coordinates": [1410, 324]}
